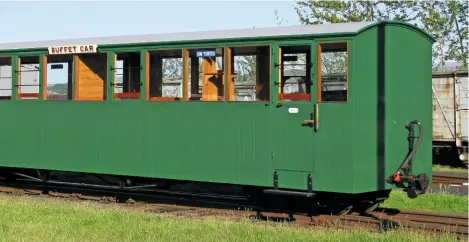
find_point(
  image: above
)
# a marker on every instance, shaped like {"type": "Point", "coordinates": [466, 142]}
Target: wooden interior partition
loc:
{"type": "Point", "coordinates": [212, 86]}
{"type": "Point", "coordinates": [90, 71]}
{"type": "Point", "coordinates": [231, 75]}
{"type": "Point", "coordinates": [44, 77]}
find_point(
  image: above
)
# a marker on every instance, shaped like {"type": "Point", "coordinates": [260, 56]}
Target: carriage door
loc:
{"type": "Point", "coordinates": [335, 127]}
{"type": "Point", "coordinates": [292, 135]}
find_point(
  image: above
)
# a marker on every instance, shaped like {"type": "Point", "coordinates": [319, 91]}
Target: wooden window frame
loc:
{"type": "Point", "coordinates": [228, 76]}
{"type": "Point", "coordinates": [44, 77]}
{"type": "Point", "coordinates": [319, 71]}
{"type": "Point", "coordinates": [186, 74]}
{"type": "Point", "coordinates": [147, 77]}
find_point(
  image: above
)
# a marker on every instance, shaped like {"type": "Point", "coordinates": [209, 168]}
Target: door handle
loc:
{"type": "Point", "coordinates": [309, 122]}
{"type": "Point", "coordinates": [313, 122]}
{"type": "Point", "coordinates": [316, 116]}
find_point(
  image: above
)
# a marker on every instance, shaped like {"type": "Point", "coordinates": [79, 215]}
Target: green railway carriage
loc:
{"type": "Point", "coordinates": [327, 107]}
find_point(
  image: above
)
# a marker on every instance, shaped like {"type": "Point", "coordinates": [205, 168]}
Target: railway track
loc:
{"type": "Point", "coordinates": [380, 219]}
{"type": "Point", "coordinates": [450, 178]}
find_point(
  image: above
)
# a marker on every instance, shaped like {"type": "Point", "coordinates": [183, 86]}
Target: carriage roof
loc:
{"type": "Point", "coordinates": [267, 32]}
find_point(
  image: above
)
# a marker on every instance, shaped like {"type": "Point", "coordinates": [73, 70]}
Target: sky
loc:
{"type": "Point", "coordinates": [42, 20]}
{"type": "Point", "coordinates": [47, 20]}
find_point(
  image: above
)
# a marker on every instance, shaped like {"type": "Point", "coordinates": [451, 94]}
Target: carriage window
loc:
{"type": "Point", "coordinates": [333, 78]}
{"type": "Point", "coordinates": [249, 73]}
{"type": "Point", "coordinates": [295, 73]}
{"type": "Point", "coordinates": [165, 75]}
{"type": "Point", "coordinates": [5, 78]}
{"type": "Point", "coordinates": [28, 79]}
{"type": "Point", "coordinates": [205, 74]}
{"type": "Point", "coordinates": [127, 76]}
{"type": "Point", "coordinates": [58, 78]}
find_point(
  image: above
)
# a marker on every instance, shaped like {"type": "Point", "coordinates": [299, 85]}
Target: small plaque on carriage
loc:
{"type": "Point", "coordinates": [206, 53]}
{"type": "Point", "coordinates": [293, 110]}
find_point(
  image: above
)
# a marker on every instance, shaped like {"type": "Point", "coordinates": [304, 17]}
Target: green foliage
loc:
{"type": "Point", "coordinates": [446, 21]}
{"type": "Point", "coordinates": [172, 68]}
{"type": "Point", "coordinates": [443, 202]}
{"type": "Point", "coordinates": [333, 62]}
{"type": "Point", "coordinates": [448, 168]}
{"type": "Point", "coordinates": [245, 69]}
{"type": "Point", "coordinates": [60, 88]}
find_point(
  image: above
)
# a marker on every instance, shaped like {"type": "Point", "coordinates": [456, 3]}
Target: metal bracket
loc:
{"type": "Point", "coordinates": [275, 180]}
{"type": "Point", "coordinates": [122, 84]}
{"type": "Point", "coordinates": [310, 183]}
{"type": "Point", "coordinates": [27, 85]}
{"type": "Point", "coordinates": [122, 68]}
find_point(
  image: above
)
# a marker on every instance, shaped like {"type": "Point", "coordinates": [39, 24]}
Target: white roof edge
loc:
{"type": "Point", "coordinates": [194, 36]}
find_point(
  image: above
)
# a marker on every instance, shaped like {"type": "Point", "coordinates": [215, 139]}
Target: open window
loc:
{"type": "Point", "coordinates": [91, 76]}
{"type": "Point", "coordinates": [6, 83]}
{"type": "Point", "coordinates": [249, 73]}
{"type": "Point", "coordinates": [127, 76]}
{"type": "Point", "coordinates": [165, 76]}
{"type": "Point", "coordinates": [28, 78]}
{"type": "Point", "coordinates": [58, 79]}
{"type": "Point", "coordinates": [205, 74]}
{"type": "Point", "coordinates": [333, 72]}
{"type": "Point", "coordinates": [295, 73]}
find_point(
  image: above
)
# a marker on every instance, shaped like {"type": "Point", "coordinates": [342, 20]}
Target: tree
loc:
{"type": "Point", "coordinates": [445, 20]}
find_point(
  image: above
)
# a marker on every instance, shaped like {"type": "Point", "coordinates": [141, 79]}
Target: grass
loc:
{"type": "Point", "coordinates": [448, 168]}
{"type": "Point", "coordinates": [431, 202]}
{"type": "Point", "coordinates": [45, 219]}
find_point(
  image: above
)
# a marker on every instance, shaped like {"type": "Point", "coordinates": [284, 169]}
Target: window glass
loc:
{"type": "Point", "coordinates": [334, 72]}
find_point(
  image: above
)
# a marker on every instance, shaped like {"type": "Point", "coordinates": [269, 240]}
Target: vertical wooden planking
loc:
{"type": "Point", "coordinates": [92, 77]}
{"type": "Point", "coordinates": [229, 76]}
{"type": "Point", "coordinates": [43, 77]}
{"type": "Point", "coordinates": [209, 84]}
